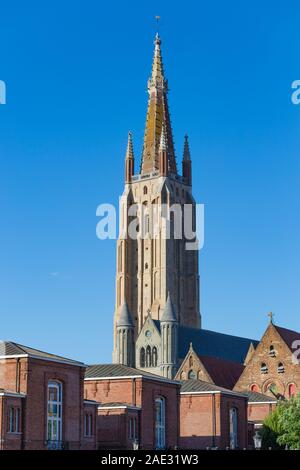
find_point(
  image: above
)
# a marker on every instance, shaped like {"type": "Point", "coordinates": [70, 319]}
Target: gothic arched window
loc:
{"type": "Point", "coordinates": [142, 357]}
{"type": "Point", "coordinates": [292, 390]}
{"type": "Point", "coordinates": [154, 356]}
{"type": "Point", "coordinates": [264, 368]}
{"type": "Point", "coordinates": [280, 368]}
{"type": "Point", "coordinates": [192, 374]}
{"type": "Point", "coordinates": [148, 357]}
{"type": "Point", "coordinates": [145, 190]}
{"type": "Point", "coordinates": [233, 425]}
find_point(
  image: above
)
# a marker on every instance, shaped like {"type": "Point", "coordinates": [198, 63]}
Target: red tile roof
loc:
{"type": "Point", "coordinates": [223, 373]}
{"type": "Point", "coordinates": [288, 336]}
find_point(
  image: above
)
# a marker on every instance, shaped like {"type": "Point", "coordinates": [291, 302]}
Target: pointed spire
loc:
{"type": "Point", "coordinates": [125, 318]}
{"type": "Point", "coordinates": [129, 150]}
{"type": "Point", "coordinates": [157, 117]}
{"type": "Point", "coordinates": [163, 139]}
{"type": "Point", "coordinates": [169, 314]}
{"type": "Point", "coordinates": [129, 161]}
{"type": "Point", "coordinates": [186, 149]}
{"type": "Point", "coordinates": [157, 75]}
{"type": "Point", "coordinates": [186, 162]}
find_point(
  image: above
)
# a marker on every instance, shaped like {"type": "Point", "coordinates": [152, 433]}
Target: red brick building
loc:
{"type": "Point", "coordinates": [212, 417]}
{"type": "Point", "coordinates": [42, 403]}
{"type": "Point", "coordinates": [136, 406]}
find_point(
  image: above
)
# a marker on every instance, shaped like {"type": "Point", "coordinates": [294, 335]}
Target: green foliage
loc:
{"type": "Point", "coordinates": [282, 427]}
{"type": "Point", "coordinates": [289, 421]}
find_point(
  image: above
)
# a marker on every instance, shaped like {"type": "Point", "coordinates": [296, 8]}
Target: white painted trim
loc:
{"type": "Point", "coordinates": [12, 394]}
{"type": "Point", "coordinates": [215, 392]}
{"type": "Point", "coordinates": [129, 407]}
{"type": "Point", "coordinates": [50, 359]}
{"type": "Point", "coordinates": [261, 402]}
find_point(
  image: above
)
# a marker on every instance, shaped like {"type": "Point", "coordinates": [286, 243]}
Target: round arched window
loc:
{"type": "Point", "coordinates": [192, 374]}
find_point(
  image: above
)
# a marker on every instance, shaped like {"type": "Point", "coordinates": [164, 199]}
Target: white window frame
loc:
{"type": "Point", "coordinates": [233, 423]}
{"type": "Point", "coordinates": [160, 425]}
{"type": "Point", "coordinates": [59, 417]}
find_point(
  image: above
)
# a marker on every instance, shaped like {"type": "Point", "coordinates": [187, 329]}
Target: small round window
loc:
{"type": "Point", "coordinates": [148, 334]}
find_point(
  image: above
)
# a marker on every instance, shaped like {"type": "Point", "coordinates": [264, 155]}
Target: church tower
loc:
{"type": "Point", "coordinates": [152, 256]}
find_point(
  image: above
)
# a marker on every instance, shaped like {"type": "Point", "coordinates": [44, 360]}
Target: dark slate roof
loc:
{"type": "Point", "coordinates": [193, 385]}
{"type": "Point", "coordinates": [212, 343]}
{"type": "Point", "coordinates": [169, 314]}
{"type": "Point", "coordinates": [117, 370]}
{"type": "Point", "coordinates": [288, 336]}
{"type": "Point", "coordinates": [125, 318]}
{"type": "Point", "coordinates": [157, 324]}
{"type": "Point", "coordinates": [223, 373]}
{"type": "Point", "coordinates": [259, 397]}
{"type": "Point", "coordinates": [9, 348]}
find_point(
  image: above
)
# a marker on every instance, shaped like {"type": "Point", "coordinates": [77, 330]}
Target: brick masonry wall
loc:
{"type": "Point", "coordinates": [252, 373]}
{"type": "Point", "coordinates": [142, 393]}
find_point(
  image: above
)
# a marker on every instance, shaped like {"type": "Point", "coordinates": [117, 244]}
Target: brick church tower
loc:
{"type": "Point", "coordinates": [153, 265]}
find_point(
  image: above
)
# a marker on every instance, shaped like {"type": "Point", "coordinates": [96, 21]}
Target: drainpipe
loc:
{"type": "Point", "coordinates": [2, 424]}
{"type": "Point", "coordinates": [214, 424]}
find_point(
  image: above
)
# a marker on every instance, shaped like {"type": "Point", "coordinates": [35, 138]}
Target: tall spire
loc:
{"type": "Point", "coordinates": [129, 160]}
{"type": "Point", "coordinates": [186, 162]}
{"type": "Point", "coordinates": [157, 117]}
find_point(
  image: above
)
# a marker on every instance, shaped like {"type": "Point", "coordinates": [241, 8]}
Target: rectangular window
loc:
{"type": "Point", "coordinates": [54, 418]}
{"type": "Point", "coordinates": [88, 425]}
{"type": "Point", "coordinates": [11, 426]}
{"type": "Point", "coordinates": [133, 429]}
{"type": "Point", "coordinates": [18, 420]}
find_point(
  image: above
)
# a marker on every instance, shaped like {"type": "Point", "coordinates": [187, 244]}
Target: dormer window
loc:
{"type": "Point", "coordinates": [264, 368]}
{"type": "Point", "coordinates": [272, 352]}
{"type": "Point", "coordinates": [280, 368]}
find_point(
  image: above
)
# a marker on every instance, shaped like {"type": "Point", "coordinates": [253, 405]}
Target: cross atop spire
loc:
{"type": "Point", "coordinates": [271, 316]}
{"type": "Point", "coordinates": [157, 117]}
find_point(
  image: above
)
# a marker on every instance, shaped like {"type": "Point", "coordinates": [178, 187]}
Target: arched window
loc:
{"type": "Point", "coordinates": [160, 423]}
{"type": "Point", "coordinates": [154, 356]}
{"type": "Point", "coordinates": [142, 357]}
{"type": "Point", "coordinates": [148, 357]}
{"type": "Point", "coordinates": [233, 424]}
{"type": "Point", "coordinates": [280, 368]}
{"type": "Point", "coordinates": [54, 415]}
{"type": "Point", "coordinates": [263, 368]}
{"type": "Point", "coordinates": [191, 362]}
{"type": "Point", "coordinates": [292, 390]}
{"type": "Point", "coordinates": [254, 388]}
{"type": "Point", "coordinates": [272, 351]}
{"type": "Point", "coordinates": [145, 190]}
{"type": "Point", "coordinates": [192, 374]}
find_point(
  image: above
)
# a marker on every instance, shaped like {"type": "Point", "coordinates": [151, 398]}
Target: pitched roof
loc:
{"type": "Point", "coordinates": [288, 336]}
{"type": "Point", "coordinates": [9, 348]}
{"type": "Point", "coordinates": [194, 386]}
{"type": "Point", "coordinates": [119, 370]}
{"type": "Point", "coordinates": [255, 397]}
{"type": "Point", "coordinates": [214, 344]}
{"type": "Point", "coordinates": [125, 318]}
{"type": "Point", "coordinates": [169, 314]}
{"type": "Point", "coordinates": [117, 404]}
{"type": "Point", "coordinates": [223, 373]}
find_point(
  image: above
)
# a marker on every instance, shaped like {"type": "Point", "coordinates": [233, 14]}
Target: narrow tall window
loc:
{"type": "Point", "coordinates": [233, 418]}
{"type": "Point", "coordinates": [11, 426]}
{"type": "Point", "coordinates": [54, 418]}
{"type": "Point", "coordinates": [160, 423]}
{"type": "Point", "coordinates": [88, 425]}
{"type": "Point", "coordinates": [148, 357]}
{"type": "Point", "coordinates": [154, 356]}
{"type": "Point", "coordinates": [142, 357]}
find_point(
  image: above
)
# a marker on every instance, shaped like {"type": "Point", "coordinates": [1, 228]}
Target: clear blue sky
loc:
{"type": "Point", "coordinates": [76, 76]}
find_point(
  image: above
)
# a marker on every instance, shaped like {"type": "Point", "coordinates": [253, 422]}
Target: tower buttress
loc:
{"type": "Point", "coordinates": [125, 338]}
{"type": "Point", "coordinates": [169, 340]}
